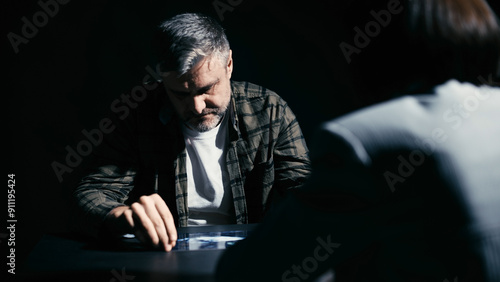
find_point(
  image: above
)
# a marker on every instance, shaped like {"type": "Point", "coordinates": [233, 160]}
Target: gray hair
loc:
{"type": "Point", "coordinates": [188, 38]}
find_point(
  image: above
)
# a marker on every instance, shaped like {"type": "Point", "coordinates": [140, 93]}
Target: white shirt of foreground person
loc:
{"type": "Point", "coordinates": [434, 157]}
{"type": "Point", "coordinates": [457, 129]}
{"type": "Point", "coordinates": [458, 125]}
{"type": "Point", "coordinates": [209, 192]}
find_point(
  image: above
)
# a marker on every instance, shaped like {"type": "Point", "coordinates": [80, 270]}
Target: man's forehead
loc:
{"type": "Point", "coordinates": [191, 83]}
{"type": "Point", "coordinates": [203, 74]}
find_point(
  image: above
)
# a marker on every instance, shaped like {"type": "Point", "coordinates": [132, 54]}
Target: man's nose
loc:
{"type": "Point", "coordinates": [198, 104]}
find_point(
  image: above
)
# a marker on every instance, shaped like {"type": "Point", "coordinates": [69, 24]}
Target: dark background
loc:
{"type": "Point", "coordinates": [65, 78]}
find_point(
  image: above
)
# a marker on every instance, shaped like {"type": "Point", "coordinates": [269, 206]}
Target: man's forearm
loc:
{"type": "Point", "coordinates": [98, 194]}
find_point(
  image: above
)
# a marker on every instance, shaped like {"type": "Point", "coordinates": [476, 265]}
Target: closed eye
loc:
{"type": "Point", "coordinates": [204, 90]}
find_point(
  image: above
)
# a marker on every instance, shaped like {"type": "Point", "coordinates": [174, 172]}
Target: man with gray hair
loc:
{"type": "Point", "coordinates": [201, 150]}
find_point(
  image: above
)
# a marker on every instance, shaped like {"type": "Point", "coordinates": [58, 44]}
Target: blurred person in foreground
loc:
{"type": "Point", "coordinates": [408, 187]}
{"type": "Point", "coordinates": [201, 150]}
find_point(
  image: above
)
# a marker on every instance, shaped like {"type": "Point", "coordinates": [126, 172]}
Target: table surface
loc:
{"type": "Point", "coordinates": [63, 257]}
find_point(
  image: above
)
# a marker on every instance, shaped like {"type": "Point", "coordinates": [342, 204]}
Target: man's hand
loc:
{"type": "Point", "coordinates": [149, 219]}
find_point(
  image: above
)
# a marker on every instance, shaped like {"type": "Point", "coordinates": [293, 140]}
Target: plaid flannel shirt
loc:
{"type": "Point", "coordinates": [266, 156]}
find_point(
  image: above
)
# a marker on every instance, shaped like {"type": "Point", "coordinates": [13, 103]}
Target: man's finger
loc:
{"type": "Point", "coordinates": [169, 224]}
{"type": "Point", "coordinates": [144, 224]}
{"type": "Point", "coordinates": [150, 207]}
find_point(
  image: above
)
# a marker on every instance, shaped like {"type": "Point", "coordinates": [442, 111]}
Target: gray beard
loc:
{"type": "Point", "coordinates": [204, 126]}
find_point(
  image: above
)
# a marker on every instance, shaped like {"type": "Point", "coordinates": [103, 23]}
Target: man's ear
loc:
{"type": "Point", "coordinates": [229, 66]}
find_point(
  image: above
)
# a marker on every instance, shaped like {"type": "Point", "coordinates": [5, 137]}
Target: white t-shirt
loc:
{"type": "Point", "coordinates": [210, 199]}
